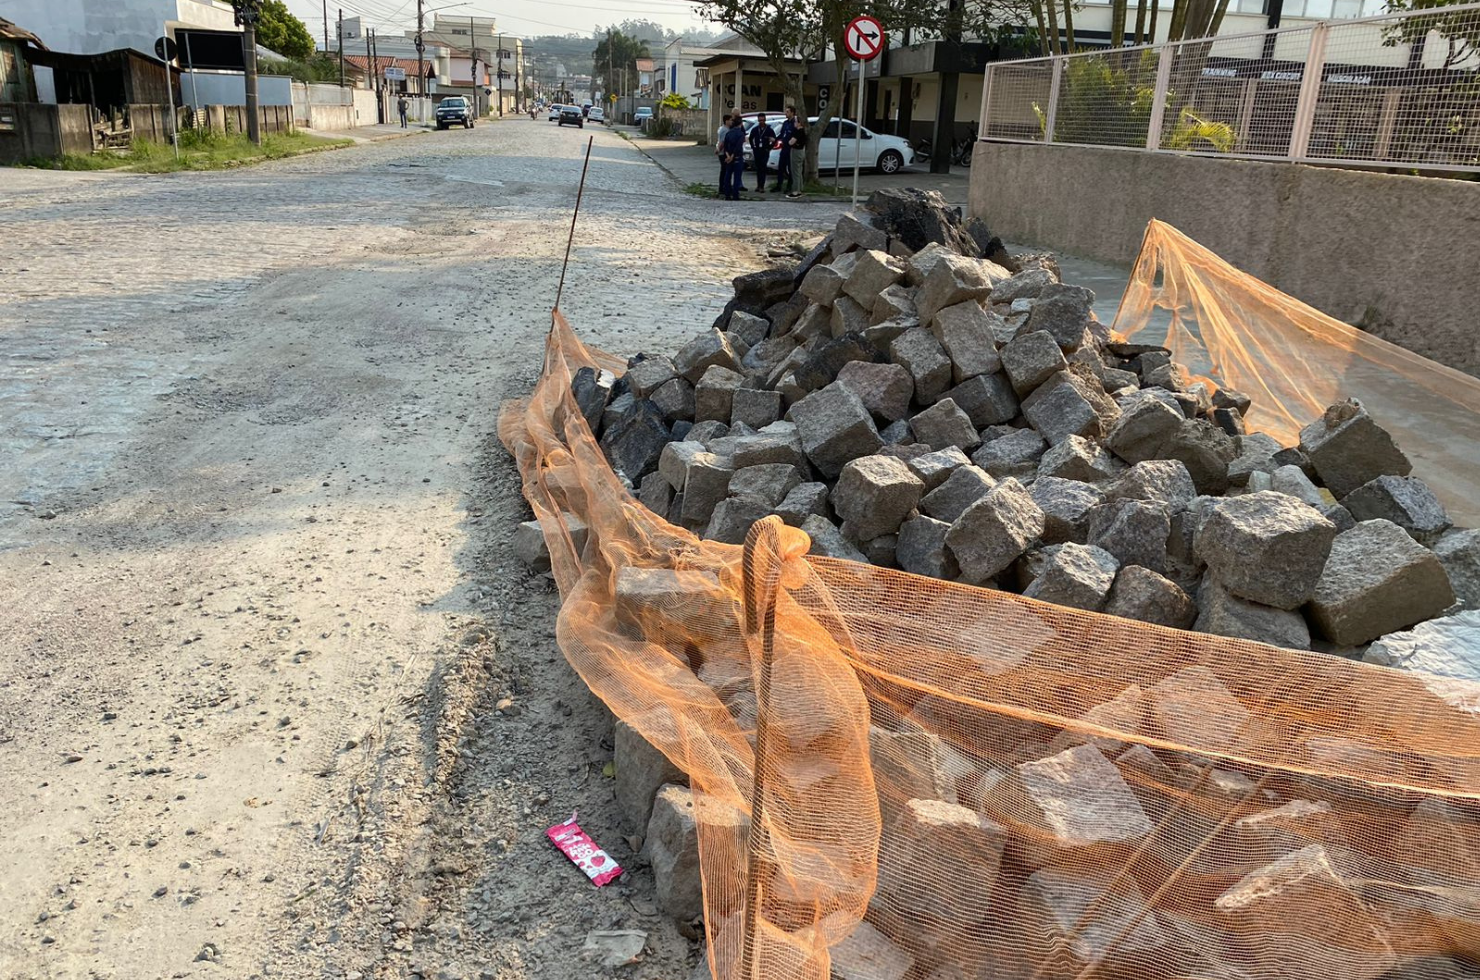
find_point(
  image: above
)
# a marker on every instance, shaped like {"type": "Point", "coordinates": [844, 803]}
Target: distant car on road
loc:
{"type": "Point", "coordinates": [454, 109]}
{"type": "Point", "coordinates": [555, 112]}
{"type": "Point", "coordinates": [642, 115]}
{"type": "Point", "coordinates": [597, 114]}
{"type": "Point", "coordinates": [572, 114]}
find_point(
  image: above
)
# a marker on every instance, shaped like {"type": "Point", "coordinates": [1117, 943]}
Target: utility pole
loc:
{"type": "Point", "coordinates": [379, 79]}
{"type": "Point", "coordinates": [473, 35]}
{"type": "Point", "coordinates": [369, 64]}
{"type": "Point", "coordinates": [421, 72]}
{"type": "Point", "coordinates": [341, 47]}
{"type": "Point", "coordinates": [518, 85]}
{"type": "Point", "coordinates": [246, 13]}
{"type": "Point", "coordinates": [326, 26]}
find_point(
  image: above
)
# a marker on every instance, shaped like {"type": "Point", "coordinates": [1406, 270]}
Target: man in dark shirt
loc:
{"type": "Point", "coordinates": [761, 138]}
{"type": "Point", "coordinates": [783, 166]}
{"type": "Point", "coordinates": [800, 137]}
{"type": "Point", "coordinates": [734, 157]}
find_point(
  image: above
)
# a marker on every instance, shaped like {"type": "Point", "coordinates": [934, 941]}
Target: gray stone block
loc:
{"type": "Point", "coordinates": [849, 316]}
{"type": "Point", "coordinates": [805, 500]}
{"type": "Point", "coordinates": [944, 425]}
{"type": "Point", "coordinates": [857, 232]}
{"type": "Point", "coordinates": [954, 496]}
{"type": "Point", "coordinates": [1028, 284]}
{"type": "Point", "coordinates": [823, 285]}
{"type": "Point", "coordinates": [748, 327]}
{"type": "Point", "coordinates": [674, 461]}
{"type": "Point", "coordinates": [918, 266]}
{"type": "Point", "coordinates": [897, 434]}
{"type": "Point", "coordinates": [965, 331]}
{"type": "Point", "coordinates": [769, 447]}
{"type": "Point", "coordinates": [1222, 613]}
{"type": "Point", "coordinates": [732, 519]}
{"type": "Point", "coordinates": [1347, 448]}
{"type": "Point", "coordinates": [1206, 450]}
{"type": "Point", "coordinates": [634, 442]}
{"type": "Point", "coordinates": [1377, 580]}
{"type": "Point", "coordinates": [919, 353]}
{"type": "Point", "coordinates": [874, 495]}
{"type": "Point", "coordinates": [1066, 506]}
{"type": "Point", "coordinates": [768, 483]}
{"type": "Point", "coordinates": [815, 322]}
{"type": "Point", "coordinates": [1060, 407]}
{"type": "Point", "coordinates": [933, 468]}
{"type": "Point", "coordinates": [650, 374]}
{"type": "Point", "coordinates": [1075, 575]}
{"type": "Point", "coordinates": [825, 361]}
{"type": "Point", "coordinates": [656, 494]}
{"type": "Point", "coordinates": [1014, 454]}
{"type": "Point", "coordinates": [1406, 501]}
{"type": "Point", "coordinates": [922, 549]}
{"type": "Point", "coordinates": [828, 541]}
{"type": "Point", "coordinates": [1141, 594]}
{"type": "Point", "coordinates": [641, 771]}
{"type": "Point", "coordinates": [1076, 799]}
{"type": "Point", "coordinates": [617, 410]}
{"type": "Point", "coordinates": [1078, 458]}
{"type": "Point", "coordinates": [706, 483]}
{"type": "Point", "coordinates": [885, 332]}
{"type": "Point", "coordinates": [1134, 531]}
{"type": "Point", "coordinates": [707, 350]}
{"type": "Point", "coordinates": [675, 400]}
{"type": "Point", "coordinates": [873, 272]}
{"type": "Point", "coordinates": [952, 279]}
{"type": "Point", "coordinates": [672, 848]}
{"type": "Point", "coordinates": [1031, 358]}
{"type": "Point", "coordinates": [867, 954]}
{"type": "Point", "coordinates": [1459, 553]}
{"type": "Point", "coordinates": [1145, 426]}
{"type": "Point", "coordinates": [835, 428]}
{"type": "Point", "coordinates": [530, 546]}
{"type": "Point", "coordinates": [592, 390]}
{"type": "Point", "coordinates": [884, 389]}
{"type": "Point", "coordinates": [755, 407]}
{"type": "Point", "coordinates": [1292, 480]}
{"type": "Point", "coordinates": [762, 360]}
{"type": "Point", "coordinates": [1063, 312]}
{"type": "Point", "coordinates": [896, 301]}
{"type": "Point", "coordinates": [1266, 547]}
{"type": "Point", "coordinates": [880, 551]}
{"type": "Point", "coordinates": [1092, 922]}
{"type": "Point", "coordinates": [1164, 481]}
{"type": "Point", "coordinates": [994, 531]}
{"type": "Point", "coordinates": [987, 399]}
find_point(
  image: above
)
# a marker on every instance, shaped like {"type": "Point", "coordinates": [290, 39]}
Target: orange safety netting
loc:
{"type": "Point", "coordinates": [1294, 361]}
{"type": "Point", "coordinates": [900, 778]}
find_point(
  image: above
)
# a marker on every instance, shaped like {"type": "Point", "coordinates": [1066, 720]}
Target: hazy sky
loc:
{"type": "Point", "coordinates": [527, 17]}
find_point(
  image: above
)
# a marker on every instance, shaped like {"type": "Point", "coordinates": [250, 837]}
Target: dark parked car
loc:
{"type": "Point", "coordinates": [572, 114]}
{"type": "Point", "coordinates": [454, 109]}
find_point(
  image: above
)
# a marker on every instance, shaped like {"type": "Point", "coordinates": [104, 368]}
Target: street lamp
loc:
{"type": "Point", "coordinates": [246, 13]}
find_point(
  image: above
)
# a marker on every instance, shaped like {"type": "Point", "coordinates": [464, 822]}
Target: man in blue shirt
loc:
{"type": "Point", "coordinates": [783, 167]}
{"type": "Point", "coordinates": [734, 158]}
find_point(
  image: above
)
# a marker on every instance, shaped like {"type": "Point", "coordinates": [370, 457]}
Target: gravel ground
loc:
{"type": "Point", "coordinates": [257, 600]}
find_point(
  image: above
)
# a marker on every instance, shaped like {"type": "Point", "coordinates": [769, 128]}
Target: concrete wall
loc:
{"type": "Point", "coordinates": [30, 129]}
{"type": "Point", "coordinates": [1395, 255]}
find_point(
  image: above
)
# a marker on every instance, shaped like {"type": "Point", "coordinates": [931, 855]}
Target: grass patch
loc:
{"type": "Point", "coordinates": [198, 151]}
{"type": "Point", "coordinates": [702, 190]}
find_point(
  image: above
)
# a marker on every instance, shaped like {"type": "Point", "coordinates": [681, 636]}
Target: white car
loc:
{"type": "Point", "coordinates": [555, 112]}
{"type": "Point", "coordinates": [886, 154]}
{"type": "Point", "coordinates": [597, 115]}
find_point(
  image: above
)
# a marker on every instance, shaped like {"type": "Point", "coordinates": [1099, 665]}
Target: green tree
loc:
{"type": "Point", "coordinates": [615, 59]}
{"type": "Point", "coordinates": [1460, 32]}
{"type": "Point", "coordinates": [278, 30]}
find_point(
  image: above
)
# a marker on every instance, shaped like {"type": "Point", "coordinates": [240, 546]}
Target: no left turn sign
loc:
{"type": "Point", "coordinates": [864, 38]}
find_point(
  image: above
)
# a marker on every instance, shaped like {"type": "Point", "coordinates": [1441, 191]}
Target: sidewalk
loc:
{"type": "Point", "coordinates": [367, 134]}
{"type": "Point", "coordinates": [691, 164]}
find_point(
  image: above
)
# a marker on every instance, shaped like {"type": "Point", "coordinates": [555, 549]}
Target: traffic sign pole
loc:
{"type": "Point", "coordinates": [858, 134]}
{"type": "Point", "coordinates": [163, 47]}
{"type": "Point", "coordinates": [864, 40]}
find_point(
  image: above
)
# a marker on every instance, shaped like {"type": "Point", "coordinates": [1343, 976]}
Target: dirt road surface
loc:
{"type": "Point", "coordinates": [257, 601]}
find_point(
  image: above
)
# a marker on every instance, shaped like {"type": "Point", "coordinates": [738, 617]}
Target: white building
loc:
{"type": "Point", "coordinates": [96, 26]}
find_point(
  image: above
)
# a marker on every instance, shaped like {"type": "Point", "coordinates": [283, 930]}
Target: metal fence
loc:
{"type": "Point", "coordinates": [1400, 90]}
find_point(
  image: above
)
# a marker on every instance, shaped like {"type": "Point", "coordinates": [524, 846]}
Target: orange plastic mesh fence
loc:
{"type": "Point", "coordinates": [900, 778]}
{"type": "Point", "coordinates": [1294, 361]}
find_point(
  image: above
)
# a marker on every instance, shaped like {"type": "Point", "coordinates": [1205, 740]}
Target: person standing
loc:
{"type": "Point", "coordinates": [734, 158]}
{"type": "Point", "coordinates": [799, 140]}
{"type": "Point", "coordinates": [783, 166]}
{"type": "Point", "coordinates": [401, 108]}
{"type": "Point", "coordinates": [761, 138]}
{"type": "Point", "coordinates": [719, 154]}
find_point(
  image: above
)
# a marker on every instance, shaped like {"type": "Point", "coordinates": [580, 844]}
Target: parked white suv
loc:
{"type": "Point", "coordinates": [835, 148]}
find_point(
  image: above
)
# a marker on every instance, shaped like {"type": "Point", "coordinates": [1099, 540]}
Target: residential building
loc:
{"type": "Point", "coordinates": [17, 80]}
{"type": "Point", "coordinates": [91, 27]}
{"type": "Point", "coordinates": [469, 39]}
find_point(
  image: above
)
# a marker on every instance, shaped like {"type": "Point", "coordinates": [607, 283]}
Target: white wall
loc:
{"type": "Point", "coordinates": [94, 26]}
{"type": "Point", "coordinates": [210, 88]}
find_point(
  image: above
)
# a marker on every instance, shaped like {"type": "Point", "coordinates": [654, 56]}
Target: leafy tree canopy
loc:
{"type": "Point", "coordinates": [278, 30]}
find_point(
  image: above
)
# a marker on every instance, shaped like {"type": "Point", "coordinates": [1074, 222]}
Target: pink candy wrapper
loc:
{"type": "Point", "coordinates": [577, 845]}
